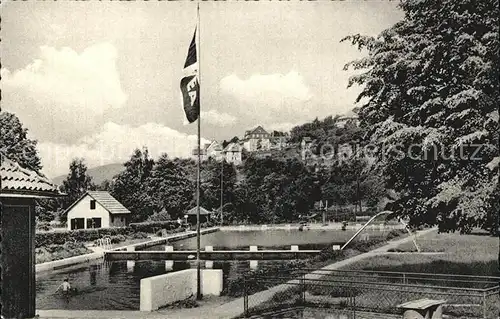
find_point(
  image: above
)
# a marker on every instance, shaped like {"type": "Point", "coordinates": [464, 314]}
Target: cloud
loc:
{"type": "Point", "coordinates": [270, 89]}
{"type": "Point", "coordinates": [262, 98]}
{"type": "Point", "coordinates": [219, 119]}
{"type": "Point", "coordinates": [64, 91]}
{"type": "Point", "coordinates": [115, 144]}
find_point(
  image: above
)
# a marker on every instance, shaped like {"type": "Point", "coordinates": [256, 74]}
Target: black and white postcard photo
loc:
{"type": "Point", "coordinates": [329, 159]}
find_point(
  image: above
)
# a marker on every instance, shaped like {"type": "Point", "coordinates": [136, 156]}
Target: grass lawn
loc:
{"type": "Point", "coordinates": [475, 254]}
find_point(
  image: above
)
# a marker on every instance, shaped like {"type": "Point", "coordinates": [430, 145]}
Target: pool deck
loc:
{"type": "Point", "coordinates": [99, 252]}
{"type": "Point", "coordinates": [228, 310]}
{"type": "Point", "coordinates": [312, 226]}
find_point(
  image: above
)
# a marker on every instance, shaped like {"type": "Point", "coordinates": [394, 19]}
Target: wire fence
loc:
{"type": "Point", "coordinates": [366, 294]}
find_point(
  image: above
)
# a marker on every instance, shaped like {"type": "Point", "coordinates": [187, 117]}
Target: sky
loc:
{"type": "Point", "coordinates": [95, 80]}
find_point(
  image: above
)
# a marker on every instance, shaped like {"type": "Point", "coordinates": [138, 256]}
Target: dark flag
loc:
{"type": "Point", "coordinates": [190, 86]}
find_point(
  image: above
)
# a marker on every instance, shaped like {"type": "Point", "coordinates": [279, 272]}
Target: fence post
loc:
{"type": "Point", "coordinates": [303, 286]}
{"type": "Point", "coordinates": [352, 293]}
{"type": "Point", "coordinates": [484, 305]}
{"type": "Point", "coordinates": [245, 297]}
{"type": "Point", "coordinates": [354, 303]}
{"type": "Point", "coordinates": [404, 279]}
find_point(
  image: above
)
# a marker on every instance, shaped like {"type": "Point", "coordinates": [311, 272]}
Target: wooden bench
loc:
{"type": "Point", "coordinates": [423, 309]}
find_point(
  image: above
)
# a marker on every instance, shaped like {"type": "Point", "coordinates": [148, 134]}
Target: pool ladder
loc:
{"type": "Point", "coordinates": [104, 243]}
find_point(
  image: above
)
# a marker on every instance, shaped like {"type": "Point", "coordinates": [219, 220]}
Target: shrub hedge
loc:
{"type": "Point", "coordinates": [80, 235]}
{"type": "Point", "coordinates": [56, 252]}
{"type": "Point", "coordinates": [153, 226]}
{"type": "Point", "coordinates": [45, 226]}
{"type": "Point", "coordinates": [137, 230]}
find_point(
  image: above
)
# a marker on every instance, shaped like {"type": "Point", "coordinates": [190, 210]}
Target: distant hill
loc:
{"type": "Point", "coordinates": [98, 174]}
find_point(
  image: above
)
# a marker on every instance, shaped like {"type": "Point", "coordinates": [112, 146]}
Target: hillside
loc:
{"type": "Point", "coordinates": [98, 174]}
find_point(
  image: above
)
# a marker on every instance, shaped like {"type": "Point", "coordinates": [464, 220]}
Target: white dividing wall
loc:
{"type": "Point", "coordinates": [159, 291]}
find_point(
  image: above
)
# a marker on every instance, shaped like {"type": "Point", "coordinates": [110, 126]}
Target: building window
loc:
{"type": "Point", "coordinates": [77, 223]}
{"type": "Point", "coordinates": [90, 223]}
{"type": "Point", "coordinates": [92, 204]}
{"type": "Point", "coordinates": [96, 222]}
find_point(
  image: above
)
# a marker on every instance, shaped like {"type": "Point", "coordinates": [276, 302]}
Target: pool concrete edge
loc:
{"type": "Point", "coordinates": [66, 262]}
{"type": "Point", "coordinates": [172, 238]}
{"type": "Point", "coordinates": [331, 226]}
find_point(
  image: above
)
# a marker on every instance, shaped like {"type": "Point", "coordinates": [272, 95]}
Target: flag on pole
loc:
{"type": "Point", "coordinates": [190, 86]}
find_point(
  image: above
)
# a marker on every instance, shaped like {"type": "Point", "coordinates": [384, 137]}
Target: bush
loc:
{"type": "Point", "coordinates": [45, 215]}
{"type": "Point", "coordinates": [45, 226]}
{"type": "Point", "coordinates": [56, 252]}
{"type": "Point", "coordinates": [394, 233]}
{"type": "Point", "coordinates": [139, 235]}
{"type": "Point", "coordinates": [81, 235]}
{"type": "Point", "coordinates": [159, 217]}
{"type": "Point", "coordinates": [117, 239]}
{"type": "Point", "coordinates": [153, 226]}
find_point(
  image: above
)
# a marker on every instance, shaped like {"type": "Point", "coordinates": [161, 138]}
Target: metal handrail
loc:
{"type": "Point", "coordinates": [409, 277]}
{"type": "Point", "coordinates": [396, 272]}
{"type": "Point", "coordinates": [371, 283]}
{"type": "Point", "coordinates": [466, 293]}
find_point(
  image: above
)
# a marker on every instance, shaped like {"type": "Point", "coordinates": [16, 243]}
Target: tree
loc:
{"type": "Point", "coordinates": [170, 187]}
{"type": "Point", "coordinates": [431, 85]}
{"type": "Point", "coordinates": [77, 182]}
{"type": "Point", "coordinates": [275, 190]}
{"type": "Point", "coordinates": [43, 214]}
{"type": "Point", "coordinates": [130, 186]}
{"type": "Point", "coordinates": [211, 183]}
{"type": "Point", "coordinates": [106, 185]}
{"type": "Point", "coordinates": [244, 154]}
{"type": "Point", "coordinates": [14, 143]}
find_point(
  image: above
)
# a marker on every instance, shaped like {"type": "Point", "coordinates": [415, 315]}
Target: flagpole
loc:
{"type": "Point", "coordinates": [198, 265]}
{"type": "Point", "coordinates": [221, 192]}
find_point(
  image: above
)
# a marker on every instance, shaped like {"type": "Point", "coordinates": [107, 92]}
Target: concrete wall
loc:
{"type": "Point", "coordinates": [67, 262]}
{"type": "Point", "coordinates": [159, 291]}
{"type": "Point", "coordinates": [82, 210]}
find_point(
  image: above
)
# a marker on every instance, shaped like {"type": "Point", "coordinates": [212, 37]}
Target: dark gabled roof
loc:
{"type": "Point", "coordinates": [18, 181]}
{"type": "Point", "coordinates": [258, 130]}
{"type": "Point", "coordinates": [106, 200]}
{"type": "Point", "coordinates": [203, 211]}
